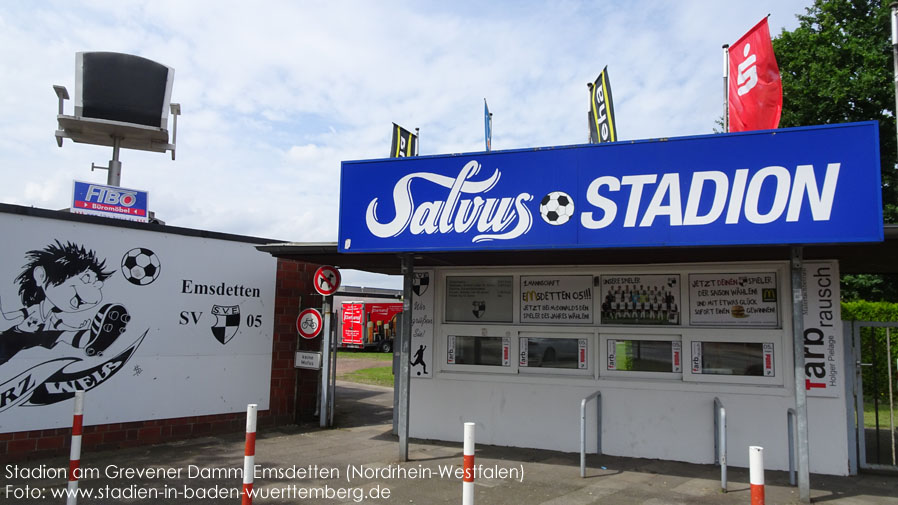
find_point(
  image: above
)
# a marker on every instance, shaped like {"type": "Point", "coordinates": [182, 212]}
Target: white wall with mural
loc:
{"type": "Point", "coordinates": [152, 325]}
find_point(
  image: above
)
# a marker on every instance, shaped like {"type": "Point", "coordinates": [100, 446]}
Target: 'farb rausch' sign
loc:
{"type": "Point", "coordinates": [792, 186]}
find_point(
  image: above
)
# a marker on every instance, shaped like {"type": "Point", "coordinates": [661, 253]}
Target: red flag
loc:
{"type": "Point", "coordinates": [755, 90]}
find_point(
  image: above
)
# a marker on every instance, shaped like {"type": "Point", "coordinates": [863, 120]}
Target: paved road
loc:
{"type": "Point", "coordinates": [357, 461]}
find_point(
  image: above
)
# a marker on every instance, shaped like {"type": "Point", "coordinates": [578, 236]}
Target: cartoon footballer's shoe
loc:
{"type": "Point", "coordinates": [107, 326]}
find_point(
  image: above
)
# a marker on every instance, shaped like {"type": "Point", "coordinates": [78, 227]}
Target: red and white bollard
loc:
{"type": "Point", "coordinates": [756, 474]}
{"type": "Point", "coordinates": [249, 458]}
{"type": "Point", "coordinates": [75, 453]}
{"type": "Point", "coordinates": [467, 485]}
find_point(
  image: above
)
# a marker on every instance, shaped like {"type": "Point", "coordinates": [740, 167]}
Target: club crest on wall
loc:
{"type": "Point", "coordinates": [420, 282]}
{"type": "Point", "coordinates": [227, 322]}
{"type": "Point", "coordinates": [479, 309]}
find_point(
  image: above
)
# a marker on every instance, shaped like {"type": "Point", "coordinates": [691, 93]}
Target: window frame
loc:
{"type": "Point", "coordinates": [553, 333]}
{"type": "Point", "coordinates": [667, 376]}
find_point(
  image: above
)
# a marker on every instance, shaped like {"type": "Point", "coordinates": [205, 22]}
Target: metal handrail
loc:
{"type": "Point", "coordinates": [791, 416]}
{"type": "Point", "coordinates": [720, 441]}
{"type": "Point", "coordinates": [598, 396]}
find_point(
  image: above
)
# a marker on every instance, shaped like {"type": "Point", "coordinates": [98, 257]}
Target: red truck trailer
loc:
{"type": "Point", "coordinates": [369, 325]}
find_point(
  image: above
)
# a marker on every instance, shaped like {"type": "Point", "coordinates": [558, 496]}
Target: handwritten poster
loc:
{"type": "Point", "coordinates": [565, 299]}
{"type": "Point", "coordinates": [733, 299]}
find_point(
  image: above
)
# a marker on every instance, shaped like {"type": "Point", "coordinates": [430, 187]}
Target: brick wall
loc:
{"type": "Point", "coordinates": [294, 293]}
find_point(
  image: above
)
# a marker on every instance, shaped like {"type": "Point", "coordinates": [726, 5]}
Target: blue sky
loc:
{"type": "Point", "coordinates": [275, 94]}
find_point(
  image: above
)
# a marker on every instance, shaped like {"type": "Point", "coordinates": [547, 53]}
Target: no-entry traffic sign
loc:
{"type": "Point", "coordinates": [326, 280]}
{"type": "Point", "coordinates": [308, 324]}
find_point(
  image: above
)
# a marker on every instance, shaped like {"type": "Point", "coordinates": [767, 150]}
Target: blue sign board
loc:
{"type": "Point", "coordinates": [793, 186]}
{"type": "Point", "coordinates": [110, 201]}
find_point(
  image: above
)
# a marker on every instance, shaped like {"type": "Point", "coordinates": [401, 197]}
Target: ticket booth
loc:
{"type": "Point", "coordinates": [666, 274]}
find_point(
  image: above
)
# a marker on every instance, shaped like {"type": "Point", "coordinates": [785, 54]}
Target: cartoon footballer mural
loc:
{"type": "Point", "coordinates": [61, 292]}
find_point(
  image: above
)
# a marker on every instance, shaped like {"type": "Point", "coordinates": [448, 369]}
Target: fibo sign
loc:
{"type": "Point", "coordinates": [791, 186]}
{"type": "Point", "coordinates": [110, 201]}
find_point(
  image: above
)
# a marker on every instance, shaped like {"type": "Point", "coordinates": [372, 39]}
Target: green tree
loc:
{"type": "Point", "coordinates": [836, 67]}
{"type": "Point", "coordinates": [869, 287]}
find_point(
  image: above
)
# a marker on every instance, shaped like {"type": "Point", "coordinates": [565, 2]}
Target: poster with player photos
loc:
{"type": "Point", "coordinates": [640, 299]}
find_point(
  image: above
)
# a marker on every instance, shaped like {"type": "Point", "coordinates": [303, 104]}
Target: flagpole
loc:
{"type": "Point", "coordinates": [417, 140]}
{"type": "Point", "coordinates": [726, 90]}
{"type": "Point", "coordinates": [894, 7]}
{"type": "Point", "coordinates": [491, 132]}
{"type": "Point", "coordinates": [589, 124]}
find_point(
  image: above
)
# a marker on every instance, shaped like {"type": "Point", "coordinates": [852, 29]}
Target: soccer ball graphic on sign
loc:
{"type": "Point", "coordinates": [556, 208]}
{"type": "Point", "coordinates": [141, 266]}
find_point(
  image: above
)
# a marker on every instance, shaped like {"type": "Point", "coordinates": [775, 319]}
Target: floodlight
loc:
{"type": "Point", "coordinates": [122, 101]}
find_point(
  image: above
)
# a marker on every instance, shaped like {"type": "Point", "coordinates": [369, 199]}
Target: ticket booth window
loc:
{"type": "Point", "coordinates": [644, 356]}
{"type": "Point", "coordinates": [484, 351]}
{"type": "Point", "coordinates": [750, 359]}
{"type": "Point", "coordinates": [560, 353]}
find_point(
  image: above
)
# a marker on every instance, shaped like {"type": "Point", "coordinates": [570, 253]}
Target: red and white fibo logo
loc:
{"type": "Point", "coordinates": [108, 196]}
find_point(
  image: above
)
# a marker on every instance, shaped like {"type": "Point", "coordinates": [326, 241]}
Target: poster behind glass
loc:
{"type": "Point", "coordinates": [479, 299]}
{"type": "Point", "coordinates": [740, 299]}
{"type": "Point", "coordinates": [641, 299]}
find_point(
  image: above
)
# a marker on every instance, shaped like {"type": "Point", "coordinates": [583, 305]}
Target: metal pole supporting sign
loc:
{"type": "Point", "coordinates": [326, 281]}
{"type": "Point", "coordinates": [801, 397]}
{"type": "Point", "coordinates": [405, 349]}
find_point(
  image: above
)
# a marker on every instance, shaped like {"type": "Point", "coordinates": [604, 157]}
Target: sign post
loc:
{"type": "Point", "coordinates": [326, 281]}
{"type": "Point", "coordinates": [801, 396]}
{"type": "Point", "coordinates": [405, 352]}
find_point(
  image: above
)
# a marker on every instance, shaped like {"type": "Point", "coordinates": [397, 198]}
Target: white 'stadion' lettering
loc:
{"type": "Point", "coordinates": [742, 192]}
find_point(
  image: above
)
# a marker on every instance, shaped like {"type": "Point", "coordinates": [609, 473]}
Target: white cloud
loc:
{"type": "Point", "coordinates": [276, 94]}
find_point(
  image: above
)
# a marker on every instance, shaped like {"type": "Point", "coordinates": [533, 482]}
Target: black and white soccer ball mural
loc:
{"type": "Point", "coordinates": [141, 266]}
{"type": "Point", "coordinates": [556, 208]}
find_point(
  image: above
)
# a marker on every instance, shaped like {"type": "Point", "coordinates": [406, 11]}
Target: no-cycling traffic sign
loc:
{"type": "Point", "coordinates": [308, 324]}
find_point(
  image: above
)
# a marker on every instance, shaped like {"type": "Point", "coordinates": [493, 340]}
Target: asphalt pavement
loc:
{"type": "Point", "coordinates": [357, 462]}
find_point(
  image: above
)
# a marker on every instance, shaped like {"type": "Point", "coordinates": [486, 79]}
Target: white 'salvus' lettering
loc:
{"type": "Point", "coordinates": [492, 216]}
{"type": "Point", "coordinates": [742, 193]}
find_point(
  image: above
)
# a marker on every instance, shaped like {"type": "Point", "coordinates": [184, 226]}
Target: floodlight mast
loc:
{"type": "Point", "coordinates": [114, 175]}
{"type": "Point", "coordinates": [121, 101]}
{"type": "Point", "coordinates": [114, 169]}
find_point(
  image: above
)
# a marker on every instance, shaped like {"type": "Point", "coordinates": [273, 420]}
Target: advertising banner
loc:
{"type": "Point", "coordinates": [602, 126]}
{"type": "Point", "coordinates": [793, 186]}
{"type": "Point", "coordinates": [353, 315]}
{"type": "Point", "coordinates": [380, 324]}
{"type": "Point", "coordinates": [822, 328]}
{"type": "Point", "coordinates": [110, 201]}
{"type": "Point", "coordinates": [755, 89]}
{"type": "Point", "coordinates": [405, 143]}
{"type": "Point", "coordinates": [556, 299]}
{"type": "Point", "coordinates": [748, 299]}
